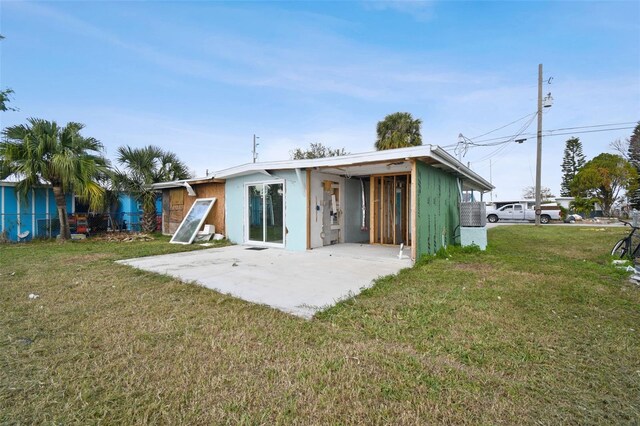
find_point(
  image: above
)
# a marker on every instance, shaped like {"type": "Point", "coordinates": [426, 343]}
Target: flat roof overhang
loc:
{"type": "Point", "coordinates": [184, 182]}
{"type": "Point", "coordinates": [377, 162]}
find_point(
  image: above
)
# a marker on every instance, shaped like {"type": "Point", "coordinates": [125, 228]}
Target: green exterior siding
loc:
{"type": "Point", "coordinates": [437, 208]}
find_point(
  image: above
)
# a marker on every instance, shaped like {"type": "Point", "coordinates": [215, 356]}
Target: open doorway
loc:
{"type": "Point", "coordinates": [390, 209]}
{"type": "Point", "coordinates": [326, 210]}
{"type": "Point", "coordinates": [362, 209]}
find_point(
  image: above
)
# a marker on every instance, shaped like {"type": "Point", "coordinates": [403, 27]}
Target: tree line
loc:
{"type": "Point", "coordinates": [42, 152]}
{"type": "Point", "coordinates": [606, 179]}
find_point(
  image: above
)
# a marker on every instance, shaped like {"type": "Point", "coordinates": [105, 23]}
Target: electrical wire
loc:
{"type": "Point", "coordinates": [506, 125]}
{"type": "Point", "coordinates": [583, 131]}
{"type": "Point", "coordinates": [550, 133]}
{"type": "Point", "coordinates": [504, 144]}
{"type": "Point", "coordinates": [463, 146]}
{"type": "Point", "coordinates": [595, 125]}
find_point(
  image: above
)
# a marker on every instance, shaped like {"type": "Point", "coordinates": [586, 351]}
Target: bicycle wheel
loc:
{"type": "Point", "coordinates": [620, 249]}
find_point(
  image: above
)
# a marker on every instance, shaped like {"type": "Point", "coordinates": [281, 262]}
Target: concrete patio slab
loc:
{"type": "Point", "coordinates": [299, 283]}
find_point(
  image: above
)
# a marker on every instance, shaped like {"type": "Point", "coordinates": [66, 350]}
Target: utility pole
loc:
{"type": "Point", "coordinates": [255, 153]}
{"type": "Point", "coordinates": [539, 148]}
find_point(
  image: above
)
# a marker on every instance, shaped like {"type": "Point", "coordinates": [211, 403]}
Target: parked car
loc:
{"type": "Point", "coordinates": [520, 211]}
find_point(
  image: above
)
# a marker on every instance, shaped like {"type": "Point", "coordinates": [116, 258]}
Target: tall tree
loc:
{"type": "Point", "coordinates": [633, 156]}
{"type": "Point", "coordinates": [143, 167]}
{"type": "Point", "coordinates": [316, 150]}
{"type": "Point", "coordinates": [572, 161]}
{"type": "Point", "coordinates": [530, 192]}
{"type": "Point", "coordinates": [398, 130]}
{"type": "Point", "coordinates": [604, 177]}
{"type": "Point", "coordinates": [42, 152]}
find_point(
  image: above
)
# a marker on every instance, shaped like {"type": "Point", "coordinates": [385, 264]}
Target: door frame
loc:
{"type": "Point", "coordinates": [245, 213]}
{"type": "Point", "coordinates": [407, 217]}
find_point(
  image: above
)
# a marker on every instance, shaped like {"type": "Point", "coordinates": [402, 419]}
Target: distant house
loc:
{"type": "Point", "coordinates": [32, 216]}
{"type": "Point", "coordinates": [36, 215]}
{"type": "Point", "coordinates": [407, 196]}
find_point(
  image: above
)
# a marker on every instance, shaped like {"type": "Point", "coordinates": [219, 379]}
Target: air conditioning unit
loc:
{"type": "Point", "coordinates": [473, 214]}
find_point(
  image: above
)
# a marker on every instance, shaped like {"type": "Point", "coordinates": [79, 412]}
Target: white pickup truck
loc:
{"type": "Point", "coordinates": [521, 212]}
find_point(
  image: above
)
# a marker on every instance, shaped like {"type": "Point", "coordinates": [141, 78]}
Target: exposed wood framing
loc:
{"type": "Point", "coordinates": [372, 209]}
{"type": "Point", "coordinates": [414, 181]}
{"type": "Point", "coordinates": [393, 220]}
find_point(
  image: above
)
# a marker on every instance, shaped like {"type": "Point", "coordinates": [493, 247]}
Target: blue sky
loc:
{"type": "Point", "coordinates": [200, 78]}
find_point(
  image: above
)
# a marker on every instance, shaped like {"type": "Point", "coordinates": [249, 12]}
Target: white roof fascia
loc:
{"type": "Point", "coordinates": [343, 160]}
{"type": "Point", "coordinates": [179, 183]}
{"type": "Point", "coordinates": [447, 159]}
{"type": "Point", "coordinates": [432, 151]}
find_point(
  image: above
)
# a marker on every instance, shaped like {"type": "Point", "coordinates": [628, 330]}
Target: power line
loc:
{"type": "Point", "coordinates": [502, 127]}
{"type": "Point", "coordinates": [595, 125]}
{"type": "Point", "coordinates": [502, 142]}
{"type": "Point", "coordinates": [586, 131]}
{"type": "Point", "coordinates": [549, 133]}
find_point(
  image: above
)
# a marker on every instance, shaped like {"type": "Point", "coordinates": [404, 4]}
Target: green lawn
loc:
{"type": "Point", "coordinates": [538, 330]}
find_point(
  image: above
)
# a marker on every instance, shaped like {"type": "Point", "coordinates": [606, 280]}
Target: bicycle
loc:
{"type": "Point", "coordinates": [623, 247]}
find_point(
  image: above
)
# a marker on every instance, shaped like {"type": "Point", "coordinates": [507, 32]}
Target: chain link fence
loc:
{"type": "Point", "coordinates": [28, 226]}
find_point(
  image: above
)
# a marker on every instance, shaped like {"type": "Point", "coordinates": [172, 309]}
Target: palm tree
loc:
{"type": "Point", "coordinates": [142, 168]}
{"type": "Point", "coordinates": [398, 130]}
{"type": "Point", "coordinates": [42, 152]}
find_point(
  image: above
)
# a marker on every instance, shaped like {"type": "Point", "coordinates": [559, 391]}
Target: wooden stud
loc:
{"type": "Point", "coordinates": [383, 224]}
{"type": "Point", "coordinates": [393, 220]}
{"type": "Point", "coordinates": [414, 200]}
{"type": "Point", "coordinates": [407, 192]}
{"type": "Point", "coordinates": [371, 201]}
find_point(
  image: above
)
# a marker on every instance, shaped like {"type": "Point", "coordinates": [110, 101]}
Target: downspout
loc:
{"type": "Point", "coordinates": [189, 188]}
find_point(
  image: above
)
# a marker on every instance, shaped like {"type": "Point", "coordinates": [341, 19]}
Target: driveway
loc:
{"type": "Point", "coordinates": [299, 283]}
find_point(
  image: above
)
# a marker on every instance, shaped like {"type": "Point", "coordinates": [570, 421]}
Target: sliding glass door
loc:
{"type": "Point", "coordinates": [265, 213]}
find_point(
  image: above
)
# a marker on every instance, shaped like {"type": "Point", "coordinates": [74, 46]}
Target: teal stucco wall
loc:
{"type": "Point", "coordinates": [295, 206]}
{"type": "Point", "coordinates": [437, 208]}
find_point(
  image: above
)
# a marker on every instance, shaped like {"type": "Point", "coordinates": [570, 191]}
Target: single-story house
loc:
{"type": "Point", "coordinates": [32, 216]}
{"type": "Point", "coordinates": [407, 196]}
{"type": "Point", "coordinates": [36, 215]}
